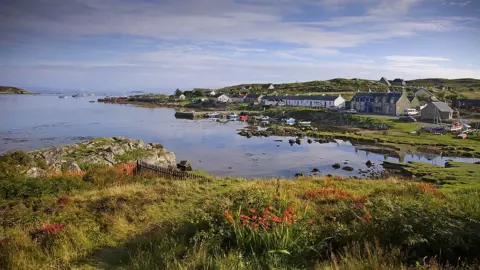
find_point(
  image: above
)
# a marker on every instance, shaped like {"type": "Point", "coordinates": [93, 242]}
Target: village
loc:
{"type": "Point", "coordinates": [389, 99]}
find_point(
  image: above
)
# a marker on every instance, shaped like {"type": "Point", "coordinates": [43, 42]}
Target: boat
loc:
{"type": "Point", "coordinates": [212, 115]}
{"type": "Point", "coordinates": [62, 96]}
{"type": "Point", "coordinates": [91, 94]}
{"type": "Point", "coordinates": [92, 101]}
{"type": "Point", "coordinates": [76, 95]}
{"type": "Point", "coordinates": [454, 127]}
{"type": "Point", "coordinates": [304, 123]}
{"type": "Point", "coordinates": [243, 117]}
{"type": "Point", "coordinates": [265, 118]}
{"type": "Point", "coordinates": [232, 116]}
{"type": "Point", "coordinates": [289, 121]}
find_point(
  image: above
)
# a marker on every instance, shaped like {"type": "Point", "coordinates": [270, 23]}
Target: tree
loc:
{"type": "Point", "coordinates": [441, 96]}
{"type": "Point", "coordinates": [198, 93]}
{"type": "Point", "coordinates": [178, 92]}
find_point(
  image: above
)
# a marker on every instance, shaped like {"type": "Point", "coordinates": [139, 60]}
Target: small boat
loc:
{"type": "Point", "coordinates": [62, 96]}
{"type": "Point", "coordinates": [289, 121]}
{"type": "Point", "coordinates": [454, 127]}
{"type": "Point", "coordinates": [462, 136]}
{"type": "Point", "coordinates": [76, 95]}
{"type": "Point", "coordinates": [232, 116]}
{"type": "Point", "coordinates": [212, 115]}
{"type": "Point", "coordinates": [243, 117]}
{"type": "Point", "coordinates": [92, 101]}
{"type": "Point", "coordinates": [91, 94]}
{"type": "Point", "coordinates": [265, 118]}
{"type": "Point", "coordinates": [305, 123]}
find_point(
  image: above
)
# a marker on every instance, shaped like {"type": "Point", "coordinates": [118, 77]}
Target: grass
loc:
{"type": "Point", "coordinates": [116, 221]}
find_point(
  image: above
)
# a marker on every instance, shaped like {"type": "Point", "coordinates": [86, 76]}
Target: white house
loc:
{"type": "Point", "coordinates": [223, 98]}
{"type": "Point", "coordinates": [271, 87]}
{"type": "Point", "coordinates": [315, 101]}
{"type": "Point", "coordinates": [210, 93]}
{"type": "Point", "coordinates": [180, 97]}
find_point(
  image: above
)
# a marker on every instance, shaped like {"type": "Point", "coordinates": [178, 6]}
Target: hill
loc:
{"type": "Point", "coordinates": [465, 87]}
{"type": "Point", "coordinates": [13, 90]}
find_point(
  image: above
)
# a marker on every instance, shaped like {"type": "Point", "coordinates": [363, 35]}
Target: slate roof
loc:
{"type": "Point", "coordinates": [219, 94]}
{"type": "Point", "coordinates": [252, 96]}
{"type": "Point", "coordinates": [313, 97]}
{"type": "Point", "coordinates": [384, 81]}
{"type": "Point", "coordinates": [395, 95]}
{"type": "Point", "coordinates": [441, 106]}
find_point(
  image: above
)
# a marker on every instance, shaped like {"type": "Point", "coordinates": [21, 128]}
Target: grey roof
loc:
{"type": "Point", "coordinates": [313, 97]}
{"type": "Point", "coordinates": [441, 106]}
{"type": "Point", "coordinates": [384, 80]}
{"type": "Point", "coordinates": [423, 90]}
{"type": "Point", "coordinates": [255, 96]}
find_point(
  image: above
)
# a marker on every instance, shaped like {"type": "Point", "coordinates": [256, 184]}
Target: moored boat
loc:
{"type": "Point", "coordinates": [232, 116]}
{"type": "Point", "coordinates": [62, 96]}
{"type": "Point", "coordinates": [304, 123]}
{"type": "Point", "coordinates": [212, 115]}
{"type": "Point", "coordinates": [289, 121]}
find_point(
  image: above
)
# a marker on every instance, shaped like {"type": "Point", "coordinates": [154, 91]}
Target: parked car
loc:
{"type": "Point", "coordinates": [407, 119]}
{"type": "Point", "coordinates": [351, 111]}
{"type": "Point", "coordinates": [409, 112]}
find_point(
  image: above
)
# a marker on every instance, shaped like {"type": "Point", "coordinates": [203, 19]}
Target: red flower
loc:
{"type": "Point", "coordinates": [252, 210]}
{"type": "Point", "coordinates": [367, 217]}
{"type": "Point", "coordinates": [310, 222]}
{"type": "Point", "coordinates": [270, 208]}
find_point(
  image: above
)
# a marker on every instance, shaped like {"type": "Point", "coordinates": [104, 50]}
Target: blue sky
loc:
{"type": "Point", "coordinates": [134, 45]}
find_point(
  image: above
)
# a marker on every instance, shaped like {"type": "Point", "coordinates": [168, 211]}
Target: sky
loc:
{"type": "Point", "coordinates": [120, 45]}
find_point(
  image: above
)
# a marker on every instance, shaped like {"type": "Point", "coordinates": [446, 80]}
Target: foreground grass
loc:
{"type": "Point", "coordinates": [108, 221]}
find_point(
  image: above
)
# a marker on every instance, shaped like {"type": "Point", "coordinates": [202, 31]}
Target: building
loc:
{"type": "Point", "coordinates": [388, 103]}
{"type": "Point", "coordinates": [210, 93]}
{"type": "Point", "coordinates": [255, 98]}
{"type": "Point", "coordinates": [238, 98]}
{"type": "Point", "coordinates": [468, 103]}
{"type": "Point", "coordinates": [222, 98]}
{"type": "Point", "coordinates": [384, 80]}
{"type": "Point", "coordinates": [271, 87]}
{"type": "Point", "coordinates": [423, 92]}
{"type": "Point", "coordinates": [315, 101]}
{"type": "Point", "coordinates": [414, 101]}
{"type": "Point", "coordinates": [180, 97]}
{"type": "Point", "coordinates": [436, 110]}
{"type": "Point", "coordinates": [398, 82]}
{"type": "Point", "coordinates": [272, 101]}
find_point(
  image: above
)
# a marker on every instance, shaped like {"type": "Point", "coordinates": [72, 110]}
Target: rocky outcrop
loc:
{"type": "Point", "coordinates": [104, 151]}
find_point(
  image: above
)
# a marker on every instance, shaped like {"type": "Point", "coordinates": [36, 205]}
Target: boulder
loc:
{"type": "Point", "coordinates": [115, 150]}
{"type": "Point", "coordinates": [72, 166]}
{"type": "Point", "coordinates": [369, 164]}
{"type": "Point", "coordinates": [347, 168]}
{"type": "Point", "coordinates": [336, 166]}
{"type": "Point", "coordinates": [184, 165]}
{"type": "Point", "coordinates": [156, 145]}
{"type": "Point", "coordinates": [34, 172]}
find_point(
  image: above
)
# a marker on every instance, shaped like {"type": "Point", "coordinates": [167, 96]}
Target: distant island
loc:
{"type": "Point", "coordinates": [13, 90]}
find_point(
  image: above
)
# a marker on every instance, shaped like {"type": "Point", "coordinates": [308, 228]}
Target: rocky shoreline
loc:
{"type": "Point", "coordinates": [105, 152]}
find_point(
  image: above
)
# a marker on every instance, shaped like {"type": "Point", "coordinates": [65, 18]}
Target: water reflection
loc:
{"type": "Point", "coordinates": [30, 122]}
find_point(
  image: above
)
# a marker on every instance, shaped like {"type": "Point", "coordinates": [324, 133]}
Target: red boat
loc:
{"type": "Point", "coordinates": [243, 117]}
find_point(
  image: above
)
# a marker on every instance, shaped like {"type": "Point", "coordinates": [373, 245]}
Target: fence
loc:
{"type": "Point", "coordinates": [166, 172]}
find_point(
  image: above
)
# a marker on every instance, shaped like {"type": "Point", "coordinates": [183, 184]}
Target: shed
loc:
{"type": "Point", "coordinates": [433, 110]}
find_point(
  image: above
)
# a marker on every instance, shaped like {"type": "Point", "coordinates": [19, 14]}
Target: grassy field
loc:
{"type": "Point", "coordinates": [112, 221]}
{"type": "Point", "coordinates": [13, 90]}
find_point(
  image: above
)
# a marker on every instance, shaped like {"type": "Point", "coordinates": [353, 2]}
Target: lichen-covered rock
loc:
{"type": "Point", "coordinates": [105, 151]}
{"type": "Point", "coordinates": [34, 172]}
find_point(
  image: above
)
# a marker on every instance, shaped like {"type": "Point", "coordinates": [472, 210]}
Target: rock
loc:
{"type": "Point", "coordinates": [298, 141]}
{"type": "Point", "coordinates": [184, 165]}
{"type": "Point", "coordinates": [347, 168]}
{"type": "Point", "coordinates": [110, 158]}
{"type": "Point", "coordinates": [34, 172]}
{"type": "Point", "coordinates": [309, 141]}
{"type": "Point", "coordinates": [119, 138]}
{"type": "Point", "coordinates": [115, 149]}
{"type": "Point", "coordinates": [72, 166]}
{"type": "Point", "coordinates": [315, 170]}
{"type": "Point", "coordinates": [291, 141]}
{"type": "Point", "coordinates": [369, 164]}
{"type": "Point", "coordinates": [249, 134]}
{"type": "Point", "coordinates": [156, 145]}
{"type": "Point", "coordinates": [299, 174]}
{"type": "Point", "coordinates": [336, 166]}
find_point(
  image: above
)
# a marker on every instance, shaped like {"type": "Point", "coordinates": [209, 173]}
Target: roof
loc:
{"type": "Point", "coordinates": [237, 96]}
{"type": "Point", "coordinates": [313, 97]}
{"type": "Point", "coordinates": [253, 96]}
{"type": "Point", "coordinates": [384, 80]}
{"type": "Point", "coordinates": [441, 106]}
{"type": "Point", "coordinates": [209, 91]}
{"type": "Point", "coordinates": [469, 101]}
{"type": "Point", "coordinates": [219, 94]}
{"type": "Point", "coordinates": [272, 98]}
{"type": "Point", "coordinates": [398, 80]}
{"type": "Point", "coordinates": [423, 89]}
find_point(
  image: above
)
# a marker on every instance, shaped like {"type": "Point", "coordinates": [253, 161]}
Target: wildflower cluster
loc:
{"type": "Point", "coordinates": [266, 219]}
{"type": "Point", "coordinates": [52, 228]}
{"type": "Point", "coordinates": [62, 201]}
{"type": "Point", "coordinates": [430, 188]}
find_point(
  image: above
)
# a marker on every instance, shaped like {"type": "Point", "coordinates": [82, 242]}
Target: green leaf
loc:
{"type": "Point", "coordinates": [283, 251]}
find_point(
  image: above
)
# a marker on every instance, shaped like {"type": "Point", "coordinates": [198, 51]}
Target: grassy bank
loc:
{"type": "Point", "coordinates": [112, 221]}
{"type": "Point", "coordinates": [13, 90]}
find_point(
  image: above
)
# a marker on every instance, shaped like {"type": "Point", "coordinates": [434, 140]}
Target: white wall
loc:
{"type": "Point", "coordinates": [339, 102]}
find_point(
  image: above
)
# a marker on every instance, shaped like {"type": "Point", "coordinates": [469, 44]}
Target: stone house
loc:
{"type": "Point", "coordinates": [272, 101]}
{"type": "Point", "coordinates": [180, 97]}
{"type": "Point", "coordinates": [398, 82]}
{"type": "Point", "coordinates": [255, 98]}
{"type": "Point", "coordinates": [414, 101]}
{"type": "Point", "coordinates": [434, 110]}
{"type": "Point", "coordinates": [388, 103]}
{"type": "Point", "coordinates": [237, 98]}
{"type": "Point", "coordinates": [384, 80]}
